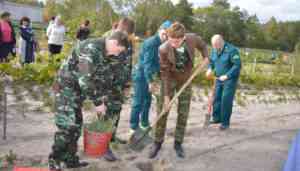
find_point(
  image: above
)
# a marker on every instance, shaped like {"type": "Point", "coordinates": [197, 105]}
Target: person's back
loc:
{"type": "Point", "coordinates": [56, 34]}
{"type": "Point", "coordinates": [77, 64]}
{"type": "Point", "coordinates": [26, 41]}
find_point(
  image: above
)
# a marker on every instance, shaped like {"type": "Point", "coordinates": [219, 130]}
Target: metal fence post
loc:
{"type": "Point", "coordinates": [1, 105]}
{"type": "Point", "coordinates": [4, 115]}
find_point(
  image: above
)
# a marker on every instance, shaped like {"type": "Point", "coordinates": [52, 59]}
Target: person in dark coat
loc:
{"type": "Point", "coordinates": [84, 31]}
{"type": "Point", "coordinates": [26, 42]}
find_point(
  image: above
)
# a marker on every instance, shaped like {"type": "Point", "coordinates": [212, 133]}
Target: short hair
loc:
{"type": "Point", "coordinates": [121, 37]}
{"type": "Point", "coordinates": [5, 14]}
{"type": "Point", "coordinates": [87, 22]}
{"type": "Point", "coordinates": [24, 19]}
{"type": "Point", "coordinates": [126, 24]}
{"type": "Point", "coordinates": [177, 30]}
{"type": "Point", "coordinates": [217, 37]}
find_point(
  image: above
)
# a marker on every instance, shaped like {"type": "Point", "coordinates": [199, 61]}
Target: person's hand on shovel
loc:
{"type": "Point", "coordinates": [167, 106]}
{"type": "Point", "coordinates": [153, 87]}
{"type": "Point", "coordinates": [127, 92]}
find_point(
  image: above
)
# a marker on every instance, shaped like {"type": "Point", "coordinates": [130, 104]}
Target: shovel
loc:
{"type": "Point", "coordinates": [140, 138]}
{"type": "Point", "coordinates": [209, 107]}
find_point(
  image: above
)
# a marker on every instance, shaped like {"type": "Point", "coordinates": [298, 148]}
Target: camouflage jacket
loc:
{"type": "Point", "coordinates": [126, 57]}
{"type": "Point", "coordinates": [91, 73]}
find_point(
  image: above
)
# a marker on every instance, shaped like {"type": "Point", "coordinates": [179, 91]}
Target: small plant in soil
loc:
{"type": "Point", "coordinates": [100, 124]}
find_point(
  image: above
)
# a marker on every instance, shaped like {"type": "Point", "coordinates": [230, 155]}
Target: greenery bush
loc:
{"type": "Point", "coordinates": [100, 125]}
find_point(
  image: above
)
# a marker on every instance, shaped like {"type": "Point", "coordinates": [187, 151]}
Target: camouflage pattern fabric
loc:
{"type": "Point", "coordinates": [182, 57]}
{"type": "Point", "coordinates": [86, 73]}
{"type": "Point", "coordinates": [183, 108]}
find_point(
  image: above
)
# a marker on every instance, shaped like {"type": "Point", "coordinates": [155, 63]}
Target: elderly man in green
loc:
{"type": "Point", "coordinates": [225, 63]}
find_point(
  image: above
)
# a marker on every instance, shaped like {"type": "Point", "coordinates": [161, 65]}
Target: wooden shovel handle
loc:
{"type": "Point", "coordinates": [186, 84]}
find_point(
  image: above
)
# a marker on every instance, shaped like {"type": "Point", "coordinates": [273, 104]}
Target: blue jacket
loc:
{"type": "Point", "coordinates": [227, 62]}
{"type": "Point", "coordinates": [148, 65]}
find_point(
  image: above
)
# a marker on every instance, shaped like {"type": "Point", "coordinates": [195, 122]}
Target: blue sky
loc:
{"type": "Point", "coordinates": [281, 9]}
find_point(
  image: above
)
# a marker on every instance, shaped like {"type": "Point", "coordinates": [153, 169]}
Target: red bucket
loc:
{"type": "Point", "coordinates": [29, 169]}
{"type": "Point", "coordinates": [95, 144]}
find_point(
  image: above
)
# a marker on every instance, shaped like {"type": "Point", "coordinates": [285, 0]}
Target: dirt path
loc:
{"type": "Point", "coordinates": [258, 140]}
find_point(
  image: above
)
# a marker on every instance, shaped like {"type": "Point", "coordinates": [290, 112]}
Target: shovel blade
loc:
{"type": "Point", "coordinates": [140, 139]}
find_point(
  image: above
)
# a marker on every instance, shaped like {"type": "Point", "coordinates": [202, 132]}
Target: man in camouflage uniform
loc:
{"type": "Point", "coordinates": [92, 71]}
{"type": "Point", "coordinates": [176, 64]}
{"type": "Point", "coordinates": [126, 25]}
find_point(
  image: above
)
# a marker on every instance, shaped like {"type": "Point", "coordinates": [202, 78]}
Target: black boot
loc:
{"type": "Point", "coordinates": [213, 121]}
{"type": "Point", "coordinates": [53, 165]}
{"type": "Point", "coordinates": [76, 163]}
{"type": "Point", "coordinates": [109, 156]}
{"type": "Point", "coordinates": [224, 127]}
{"type": "Point", "coordinates": [155, 149]}
{"type": "Point", "coordinates": [179, 150]}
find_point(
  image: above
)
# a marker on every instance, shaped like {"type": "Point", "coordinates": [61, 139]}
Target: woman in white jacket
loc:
{"type": "Point", "coordinates": [56, 35]}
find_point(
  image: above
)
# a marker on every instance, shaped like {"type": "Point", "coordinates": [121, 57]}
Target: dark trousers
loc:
{"type": "Point", "coordinates": [223, 101]}
{"type": "Point", "coordinates": [54, 49]}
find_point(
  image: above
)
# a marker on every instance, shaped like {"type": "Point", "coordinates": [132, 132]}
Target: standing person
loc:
{"type": "Point", "coordinates": [7, 37]}
{"type": "Point", "coordinates": [26, 42]}
{"type": "Point", "coordinates": [176, 65]}
{"type": "Point", "coordinates": [56, 35]}
{"type": "Point", "coordinates": [144, 76]}
{"type": "Point", "coordinates": [91, 71]}
{"type": "Point", "coordinates": [84, 31]}
{"type": "Point", "coordinates": [127, 26]}
{"type": "Point", "coordinates": [225, 62]}
{"type": "Point", "coordinates": [50, 22]}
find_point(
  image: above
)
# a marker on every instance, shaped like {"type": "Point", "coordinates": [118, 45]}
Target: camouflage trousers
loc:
{"type": "Point", "coordinates": [114, 107]}
{"type": "Point", "coordinates": [68, 119]}
{"type": "Point", "coordinates": [183, 108]}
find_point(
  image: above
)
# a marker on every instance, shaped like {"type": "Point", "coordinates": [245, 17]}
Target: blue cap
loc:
{"type": "Point", "coordinates": [166, 24]}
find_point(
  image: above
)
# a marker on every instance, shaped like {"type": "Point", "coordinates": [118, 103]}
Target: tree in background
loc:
{"type": "Point", "coordinates": [297, 48]}
{"type": "Point", "coordinates": [149, 14]}
{"type": "Point", "coordinates": [236, 25]}
{"type": "Point", "coordinates": [28, 2]}
{"type": "Point", "coordinates": [184, 13]}
{"type": "Point", "coordinates": [99, 12]}
{"type": "Point", "coordinates": [218, 20]}
{"type": "Point", "coordinates": [244, 30]}
{"type": "Point", "coordinates": [254, 34]}
{"type": "Point", "coordinates": [221, 3]}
